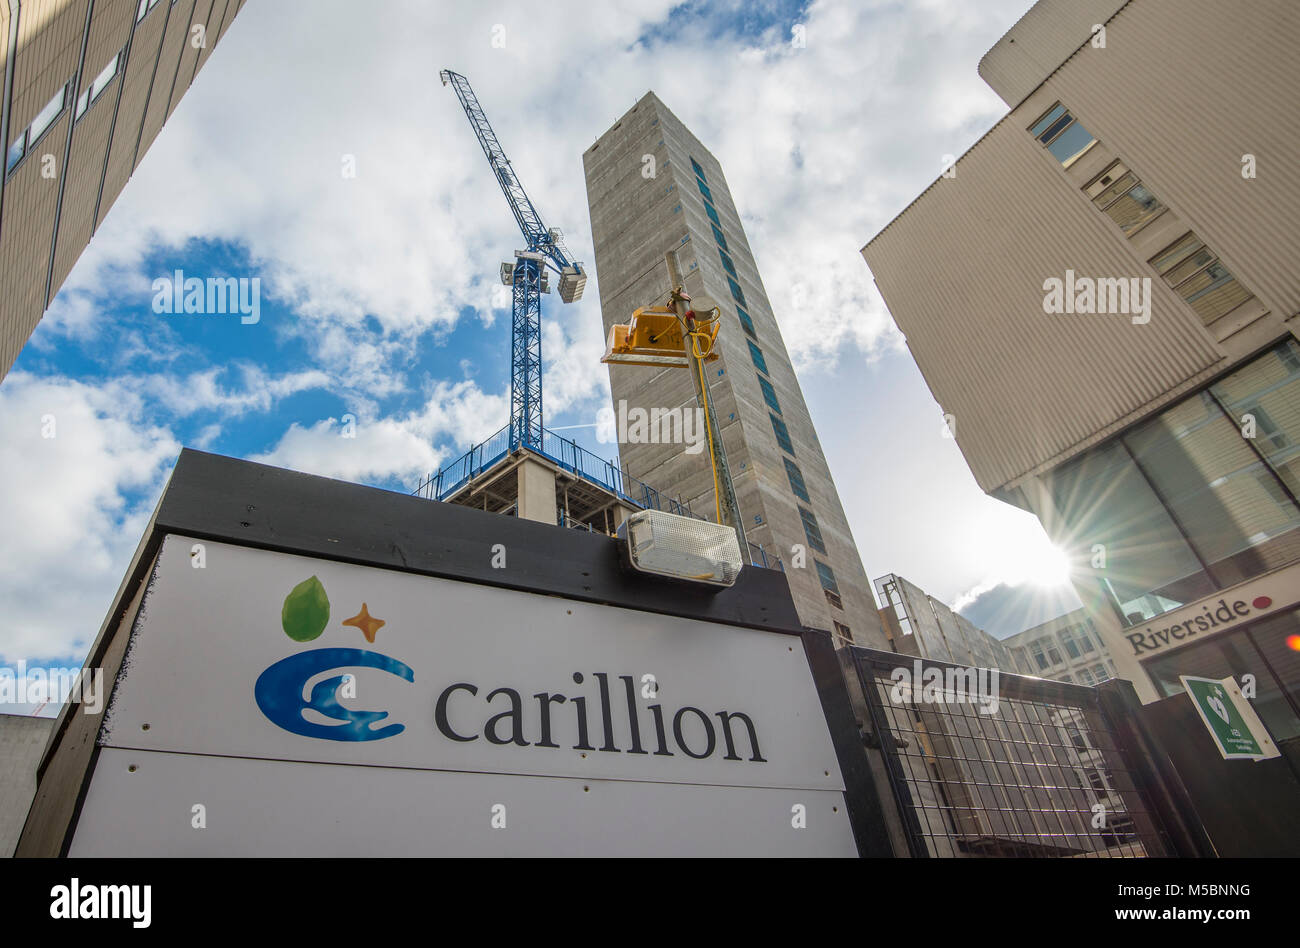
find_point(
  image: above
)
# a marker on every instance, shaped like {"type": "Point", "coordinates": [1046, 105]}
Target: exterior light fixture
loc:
{"type": "Point", "coordinates": [679, 547]}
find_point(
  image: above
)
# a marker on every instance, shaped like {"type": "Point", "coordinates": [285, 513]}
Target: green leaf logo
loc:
{"type": "Point", "coordinates": [306, 611]}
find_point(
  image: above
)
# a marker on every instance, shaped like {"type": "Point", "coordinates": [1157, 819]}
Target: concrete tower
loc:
{"type": "Point", "coordinates": [653, 188]}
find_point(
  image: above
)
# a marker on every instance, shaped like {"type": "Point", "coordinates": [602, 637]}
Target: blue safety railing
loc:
{"type": "Point", "coordinates": [576, 460]}
{"type": "Point", "coordinates": [562, 452]}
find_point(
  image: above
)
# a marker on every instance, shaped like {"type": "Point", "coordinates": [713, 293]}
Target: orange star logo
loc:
{"type": "Point", "coordinates": [367, 623]}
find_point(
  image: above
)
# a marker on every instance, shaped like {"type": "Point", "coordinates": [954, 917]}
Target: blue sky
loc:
{"type": "Point", "coordinates": [378, 291]}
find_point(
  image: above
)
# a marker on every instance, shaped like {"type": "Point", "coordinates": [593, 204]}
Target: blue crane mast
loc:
{"type": "Point", "coordinates": [528, 276]}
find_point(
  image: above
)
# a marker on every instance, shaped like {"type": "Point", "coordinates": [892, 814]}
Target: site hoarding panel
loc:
{"type": "Point", "coordinates": [252, 656]}
{"type": "Point", "coordinates": [279, 808]}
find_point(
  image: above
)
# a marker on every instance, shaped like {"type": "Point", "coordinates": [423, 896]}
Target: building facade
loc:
{"type": "Point", "coordinates": [652, 188]}
{"type": "Point", "coordinates": [1102, 294]}
{"type": "Point", "coordinates": [88, 85]}
{"type": "Point", "coordinates": [918, 624]}
{"type": "Point", "coordinates": [1067, 648]}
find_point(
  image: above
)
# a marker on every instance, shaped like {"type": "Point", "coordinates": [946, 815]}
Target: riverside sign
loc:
{"type": "Point", "coordinates": [296, 705]}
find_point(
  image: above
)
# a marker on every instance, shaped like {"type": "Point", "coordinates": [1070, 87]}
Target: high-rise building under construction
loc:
{"type": "Point", "coordinates": [652, 188]}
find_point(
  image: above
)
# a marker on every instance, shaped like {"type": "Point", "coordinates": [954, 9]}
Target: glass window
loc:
{"type": "Point", "coordinates": [746, 322]}
{"type": "Point", "coordinates": [1268, 390]}
{"type": "Point", "coordinates": [782, 434]}
{"type": "Point", "coordinates": [796, 480]}
{"type": "Point", "coordinates": [695, 166]}
{"type": "Point", "coordinates": [1048, 120]}
{"type": "Point", "coordinates": [843, 630]}
{"type": "Point", "coordinates": [736, 292]}
{"type": "Point", "coordinates": [769, 394]}
{"type": "Point", "coordinates": [45, 118]}
{"type": "Point", "coordinates": [713, 215]}
{"type": "Point", "coordinates": [104, 78]}
{"type": "Point", "coordinates": [812, 531]}
{"type": "Point", "coordinates": [827, 576]}
{"type": "Point", "coordinates": [1199, 277]}
{"type": "Point", "coordinates": [1134, 208]}
{"type": "Point", "coordinates": [717, 236]}
{"type": "Point", "coordinates": [16, 151]}
{"type": "Point", "coordinates": [1104, 501]}
{"type": "Point", "coordinates": [756, 356]}
{"type": "Point", "coordinates": [1213, 292]}
{"type": "Point", "coordinates": [1217, 489]}
{"type": "Point", "coordinates": [704, 189]}
{"type": "Point", "coordinates": [726, 263]}
{"type": "Point", "coordinates": [1068, 642]}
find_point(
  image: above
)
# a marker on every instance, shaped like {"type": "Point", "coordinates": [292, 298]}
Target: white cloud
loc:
{"type": "Point", "coordinates": [70, 527]}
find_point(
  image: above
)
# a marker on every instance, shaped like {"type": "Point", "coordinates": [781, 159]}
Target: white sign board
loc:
{"type": "Point", "coordinates": [316, 708]}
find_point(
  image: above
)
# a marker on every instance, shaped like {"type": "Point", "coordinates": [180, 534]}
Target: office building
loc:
{"type": "Point", "coordinates": [1102, 294]}
{"type": "Point", "coordinates": [918, 624]}
{"type": "Point", "coordinates": [88, 85]}
{"type": "Point", "coordinates": [652, 188]}
{"type": "Point", "coordinates": [1066, 648]}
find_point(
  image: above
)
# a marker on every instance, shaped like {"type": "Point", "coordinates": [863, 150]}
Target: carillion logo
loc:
{"type": "Point", "coordinates": [501, 716]}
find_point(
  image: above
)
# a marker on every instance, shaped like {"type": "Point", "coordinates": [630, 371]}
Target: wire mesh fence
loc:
{"type": "Point", "coordinates": [984, 764]}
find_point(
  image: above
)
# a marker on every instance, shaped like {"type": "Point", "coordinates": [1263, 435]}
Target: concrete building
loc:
{"type": "Point", "coordinates": [1066, 648]}
{"type": "Point", "coordinates": [22, 741]}
{"type": "Point", "coordinates": [1102, 293]}
{"type": "Point", "coordinates": [918, 624]}
{"type": "Point", "coordinates": [981, 781]}
{"type": "Point", "coordinates": [87, 86]}
{"type": "Point", "coordinates": [652, 187]}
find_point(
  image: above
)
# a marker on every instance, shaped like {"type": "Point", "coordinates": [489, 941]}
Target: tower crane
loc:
{"type": "Point", "coordinates": [528, 276]}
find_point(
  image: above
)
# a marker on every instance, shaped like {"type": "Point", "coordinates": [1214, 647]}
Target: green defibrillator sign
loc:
{"type": "Point", "coordinates": [1231, 721]}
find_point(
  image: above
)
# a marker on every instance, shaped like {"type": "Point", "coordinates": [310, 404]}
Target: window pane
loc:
{"type": "Point", "coordinates": [756, 354]}
{"type": "Point", "coordinates": [726, 263]}
{"type": "Point", "coordinates": [1198, 258]}
{"type": "Point", "coordinates": [736, 292]}
{"type": "Point", "coordinates": [1171, 256]}
{"type": "Point", "coordinates": [1134, 209]}
{"type": "Point", "coordinates": [1071, 144]}
{"type": "Point", "coordinates": [1214, 292]}
{"type": "Point", "coordinates": [1125, 182]}
{"type": "Point", "coordinates": [1047, 120]}
{"type": "Point", "coordinates": [746, 322]}
{"type": "Point", "coordinates": [16, 152]}
{"type": "Point", "coordinates": [782, 434]}
{"type": "Point", "coordinates": [104, 78]}
{"type": "Point", "coordinates": [812, 530]}
{"type": "Point", "coordinates": [1218, 490]}
{"type": "Point", "coordinates": [717, 235]}
{"type": "Point", "coordinates": [1269, 390]}
{"type": "Point", "coordinates": [713, 215]}
{"type": "Point", "coordinates": [1055, 128]}
{"type": "Point", "coordinates": [704, 189]}
{"type": "Point", "coordinates": [1103, 499]}
{"type": "Point", "coordinates": [827, 576]}
{"type": "Point", "coordinates": [695, 166]}
{"type": "Point", "coordinates": [769, 394]}
{"type": "Point", "coordinates": [796, 480]}
{"type": "Point", "coordinates": [142, 10]}
{"type": "Point", "coordinates": [45, 118]}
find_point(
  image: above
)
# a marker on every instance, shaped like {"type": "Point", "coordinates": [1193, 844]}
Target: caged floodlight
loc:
{"type": "Point", "coordinates": [681, 547]}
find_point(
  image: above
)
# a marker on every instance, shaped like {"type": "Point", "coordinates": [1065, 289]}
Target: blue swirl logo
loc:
{"type": "Point", "coordinates": [279, 690]}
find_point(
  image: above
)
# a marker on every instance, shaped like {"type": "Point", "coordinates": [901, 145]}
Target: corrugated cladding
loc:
{"type": "Point", "coordinates": [962, 268]}
{"type": "Point", "coordinates": [1042, 38]}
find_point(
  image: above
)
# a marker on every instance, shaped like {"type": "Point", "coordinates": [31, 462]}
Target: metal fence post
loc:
{"type": "Point", "coordinates": [1159, 781]}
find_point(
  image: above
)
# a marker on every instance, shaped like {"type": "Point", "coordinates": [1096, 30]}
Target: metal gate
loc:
{"type": "Point", "coordinates": [981, 763]}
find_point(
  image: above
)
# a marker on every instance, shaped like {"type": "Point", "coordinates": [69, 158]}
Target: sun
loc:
{"type": "Point", "coordinates": [1049, 569]}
